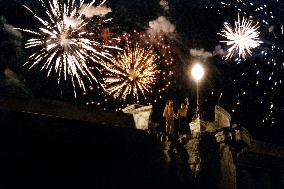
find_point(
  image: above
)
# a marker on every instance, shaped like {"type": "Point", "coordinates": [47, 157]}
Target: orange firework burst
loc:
{"type": "Point", "coordinates": [135, 72]}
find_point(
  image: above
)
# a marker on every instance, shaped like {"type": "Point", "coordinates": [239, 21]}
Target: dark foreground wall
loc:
{"type": "Point", "coordinates": [47, 152]}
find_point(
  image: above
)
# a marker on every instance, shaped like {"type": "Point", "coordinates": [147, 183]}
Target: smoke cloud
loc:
{"type": "Point", "coordinates": [201, 53]}
{"type": "Point", "coordinates": [11, 77]}
{"type": "Point", "coordinates": [91, 11]}
{"type": "Point", "coordinates": [71, 22]}
{"type": "Point", "coordinates": [219, 51]}
{"type": "Point", "coordinates": [10, 29]}
{"type": "Point", "coordinates": [12, 54]}
{"type": "Point", "coordinates": [161, 26]}
{"type": "Point", "coordinates": [15, 36]}
{"type": "Point", "coordinates": [13, 85]}
{"type": "Point", "coordinates": [10, 45]}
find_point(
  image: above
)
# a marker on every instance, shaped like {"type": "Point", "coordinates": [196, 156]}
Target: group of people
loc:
{"type": "Point", "coordinates": [181, 117]}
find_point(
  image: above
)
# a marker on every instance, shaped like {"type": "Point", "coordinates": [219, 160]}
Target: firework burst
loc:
{"type": "Point", "coordinates": [140, 73]}
{"type": "Point", "coordinates": [133, 71]}
{"type": "Point", "coordinates": [65, 43]}
{"type": "Point", "coordinates": [259, 81]}
{"type": "Point", "coordinates": [242, 38]}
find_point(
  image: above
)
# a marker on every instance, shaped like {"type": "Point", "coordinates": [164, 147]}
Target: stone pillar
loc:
{"type": "Point", "coordinates": [141, 115]}
{"type": "Point", "coordinates": [196, 128]}
{"type": "Point", "coordinates": [194, 158]}
{"type": "Point", "coordinates": [228, 176]}
{"type": "Point", "coordinates": [222, 117]}
{"type": "Point", "coordinates": [168, 152]}
{"type": "Point", "coordinates": [192, 147]}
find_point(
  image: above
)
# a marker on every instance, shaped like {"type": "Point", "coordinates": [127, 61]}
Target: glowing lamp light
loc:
{"type": "Point", "coordinates": [197, 72]}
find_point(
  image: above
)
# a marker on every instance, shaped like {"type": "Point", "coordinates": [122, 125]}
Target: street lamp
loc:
{"type": "Point", "coordinates": [197, 73]}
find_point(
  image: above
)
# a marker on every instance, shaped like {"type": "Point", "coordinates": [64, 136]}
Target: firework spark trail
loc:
{"type": "Point", "coordinates": [242, 38]}
{"type": "Point", "coordinates": [64, 43]}
{"type": "Point", "coordinates": [134, 71]}
{"type": "Point", "coordinates": [261, 78]}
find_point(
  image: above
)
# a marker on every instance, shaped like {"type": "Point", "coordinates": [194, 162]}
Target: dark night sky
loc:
{"type": "Point", "coordinates": [196, 27]}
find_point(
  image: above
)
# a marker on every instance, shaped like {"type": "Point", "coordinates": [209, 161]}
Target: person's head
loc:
{"type": "Point", "coordinates": [170, 103]}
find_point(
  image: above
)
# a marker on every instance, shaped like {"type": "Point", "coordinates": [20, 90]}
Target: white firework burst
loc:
{"type": "Point", "coordinates": [242, 38]}
{"type": "Point", "coordinates": [64, 42]}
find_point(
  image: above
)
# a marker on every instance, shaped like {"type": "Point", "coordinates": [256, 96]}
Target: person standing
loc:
{"type": "Point", "coordinates": [169, 115]}
{"type": "Point", "coordinates": [182, 117]}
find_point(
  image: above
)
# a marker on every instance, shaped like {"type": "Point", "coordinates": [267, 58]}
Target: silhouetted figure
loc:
{"type": "Point", "coordinates": [182, 117]}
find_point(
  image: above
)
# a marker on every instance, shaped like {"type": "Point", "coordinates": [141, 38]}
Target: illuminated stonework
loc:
{"type": "Point", "coordinates": [141, 115]}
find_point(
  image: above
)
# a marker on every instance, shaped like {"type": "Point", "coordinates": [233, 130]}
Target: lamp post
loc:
{"type": "Point", "coordinates": [197, 73]}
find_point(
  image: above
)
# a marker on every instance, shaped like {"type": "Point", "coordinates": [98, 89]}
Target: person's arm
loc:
{"type": "Point", "coordinates": [178, 114]}
{"type": "Point", "coordinates": [187, 103]}
{"type": "Point", "coordinates": [165, 113]}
